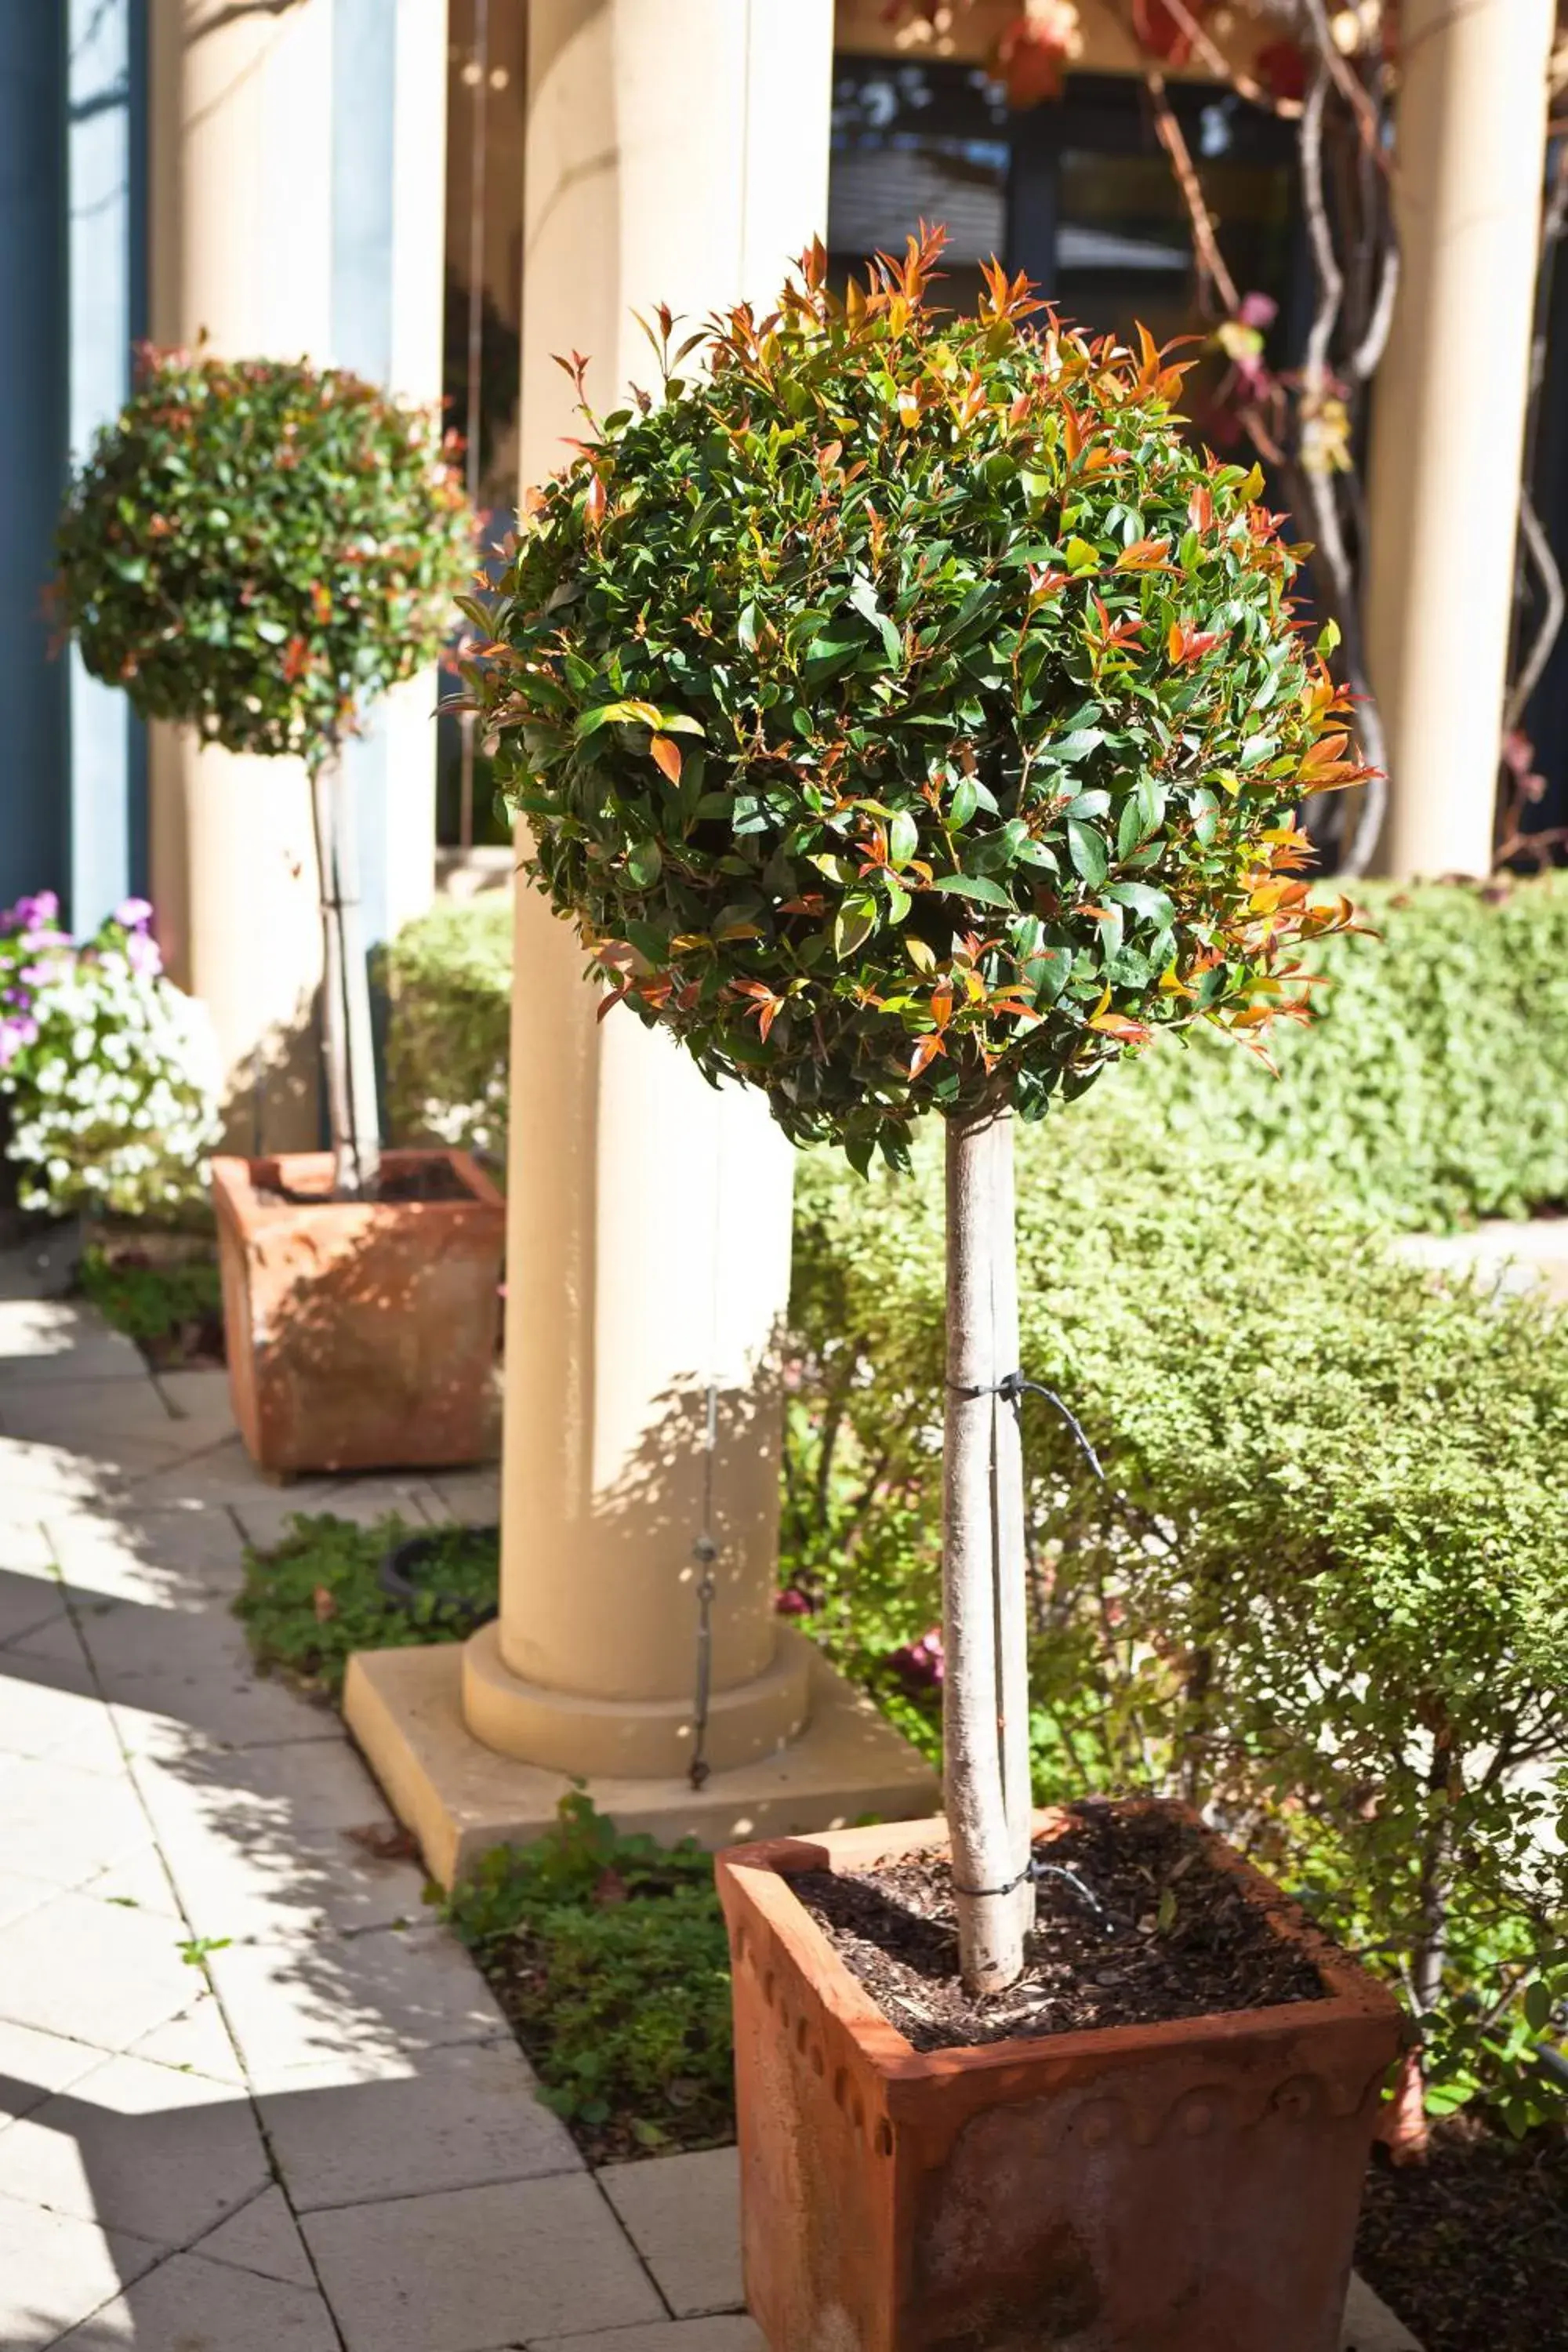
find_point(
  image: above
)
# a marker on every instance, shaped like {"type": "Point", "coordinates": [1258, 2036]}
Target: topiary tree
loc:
{"type": "Point", "coordinates": [909, 719]}
{"type": "Point", "coordinates": [259, 548]}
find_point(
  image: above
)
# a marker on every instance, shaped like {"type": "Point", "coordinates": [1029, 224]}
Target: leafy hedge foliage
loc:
{"type": "Point", "coordinates": [1433, 1089]}
{"type": "Point", "coordinates": [906, 713]}
{"type": "Point", "coordinates": [448, 978]}
{"type": "Point", "coordinates": [1322, 1587]}
{"type": "Point", "coordinates": [1434, 1086]}
{"type": "Point", "coordinates": [262, 547]}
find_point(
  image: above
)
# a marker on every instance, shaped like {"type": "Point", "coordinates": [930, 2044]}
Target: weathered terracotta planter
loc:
{"type": "Point", "coordinates": [361, 1334]}
{"type": "Point", "coordinates": [1181, 2187]}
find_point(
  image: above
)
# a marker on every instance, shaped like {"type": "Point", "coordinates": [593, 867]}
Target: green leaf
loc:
{"type": "Point", "coordinates": [1088, 850]}
{"type": "Point", "coordinates": [1537, 2006]}
{"type": "Point", "coordinates": [644, 863]}
{"type": "Point", "coordinates": [1150, 905]}
{"type": "Point", "coordinates": [965, 802]}
{"type": "Point", "coordinates": [973, 886]}
{"type": "Point", "coordinates": [854, 923]}
{"type": "Point", "coordinates": [903, 838]}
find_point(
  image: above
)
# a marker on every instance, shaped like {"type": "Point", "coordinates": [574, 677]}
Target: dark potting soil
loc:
{"type": "Point", "coordinates": [1471, 2247]}
{"type": "Point", "coordinates": [1144, 1929]}
{"type": "Point", "coordinates": [429, 1179]}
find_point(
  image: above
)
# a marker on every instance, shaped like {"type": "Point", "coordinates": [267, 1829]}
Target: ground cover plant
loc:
{"type": "Point", "coordinates": [908, 716]}
{"type": "Point", "coordinates": [309, 1601]}
{"type": "Point", "coordinates": [260, 548]}
{"type": "Point", "coordinates": [172, 1310]}
{"type": "Point", "coordinates": [108, 1073]}
{"type": "Point", "coordinates": [609, 1956]}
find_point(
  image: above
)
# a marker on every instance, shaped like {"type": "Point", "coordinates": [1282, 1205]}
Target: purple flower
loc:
{"type": "Point", "coordinates": [921, 1665]}
{"type": "Point", "coordinates": [133, 914]}
{"type": "Point", "coordinates": [141, 954]}
{"type": "Point", "coordinates": [31, 914]}
{"type": "Point", "coordinates": [14, 1035]}
{"type": "Point", "coordinates": [1258, 310]}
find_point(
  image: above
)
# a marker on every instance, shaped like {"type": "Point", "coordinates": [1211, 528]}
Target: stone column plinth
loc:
{"type": "Point", "coordinates": [1448, 420]}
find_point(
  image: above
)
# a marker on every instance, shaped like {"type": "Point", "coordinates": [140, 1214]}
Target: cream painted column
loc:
{"type": "Point", "coordinates": [678, 151]}
{"type": "Point", "coordinates": [1450, 416]}
{"type": "Point", "coordinates": [264, 238]}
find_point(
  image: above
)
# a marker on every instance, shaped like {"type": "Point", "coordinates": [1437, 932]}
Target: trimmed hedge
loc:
{"type": "Point", "coordinates": [1322, 1588]}
{"type": "Point", "coordinates": [1433, 1091]}
{"type": "Point", "coordinates": [447, 977]}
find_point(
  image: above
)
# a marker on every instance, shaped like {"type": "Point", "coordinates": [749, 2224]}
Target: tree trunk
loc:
{"type": "Point", "coordinates": [985, 1709]}
{"type": "Point", "coordinates": [347, 1042]}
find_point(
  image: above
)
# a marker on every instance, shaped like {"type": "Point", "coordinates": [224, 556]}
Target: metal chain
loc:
{"type": "Point", "coordinates": [705, 1552]}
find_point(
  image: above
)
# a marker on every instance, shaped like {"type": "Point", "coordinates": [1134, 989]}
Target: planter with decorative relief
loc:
{"type": "Point", "coordinates": [1190, 2186]}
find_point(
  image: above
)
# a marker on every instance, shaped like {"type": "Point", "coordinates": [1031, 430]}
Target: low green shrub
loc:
{"type": "Point", "coordinates": [1320, 1588]}
{"type": "Point", "coordinates": [154, 1304]}
{"type": "Point", "coordinates": [447, 976]}
{"type": "Point", "coordinates": [310, 1601]}
{"type": "Point", "coordinates": [609, 1955]}
{"type": "Point", "coordinates": [1434, 1089]}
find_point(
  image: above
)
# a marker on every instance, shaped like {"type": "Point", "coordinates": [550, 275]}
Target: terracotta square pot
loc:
{"type": "Point", "coordinates": [361, 1334]}
{"type": "Point", "coordinates": [1184, 2187]}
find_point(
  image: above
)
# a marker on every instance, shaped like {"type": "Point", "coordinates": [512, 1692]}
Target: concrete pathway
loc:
{"type": "Point", "coordinates": [252, 2099]}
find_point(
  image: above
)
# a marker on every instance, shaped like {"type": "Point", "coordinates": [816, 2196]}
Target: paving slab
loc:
{"type": "Point", "coordinates": [187, 1552]}
{"type": "Point", "coordinates": [1371, 2327]}
{"type": "Point", "coordinates": [189, 1666]}
{"type": "Point", "coordinates": [190, 2305]}
{"type": "Point", "coordinates": [64, 1825]}
{"type": "Point", "coordinates": [51, 1711]}
{"type": "Point", "coordinates": [54, 2270]}
{"type": "Point", "coordinates": [264, 1512]}
{"type": "Point", "coordinates": [683, 2215]}
{"type": "Point", "coordinates": [139, 2148]}
{"type": "Point", "coordinates": [733, 2332]}
{"type": "Point", "coordinates": [475, 2268]}
{"type": "Point", "coordinates": [379, 2000]}
{"type": "Point", "coordinates": [19, 1895]}
{"type": "Point", "coordinates": [93, 1971]}
{"type": "Point", "coordinates": [34, 2066]}
{"type": "Point", "coordinates": [459, 2118]}
{"type": "Point", "coordinates": [46, 1340]}
{"type": "Point", "coordinates": [263, 2236]}
{"type": "Point", "coordinates": [93, 1417]}
{"type": "Point", "coordinates": [195, 2042]}
{"type": "Point", "coordinates": [29, 1597]}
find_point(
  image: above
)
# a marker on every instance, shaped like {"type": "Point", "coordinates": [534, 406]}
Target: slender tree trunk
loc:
{"type": "Point", "coordinates": [347, 1042]}
{"type": "Point", "coordinates": [985, 1687]}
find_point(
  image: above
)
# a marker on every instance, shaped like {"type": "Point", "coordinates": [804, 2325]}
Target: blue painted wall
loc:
{"type": "Point", "coordinates": [365, 97]}
{"type": "Point", "coordinates": [106, 182]}
{"type": "Point", "coordinates": [34, 823]}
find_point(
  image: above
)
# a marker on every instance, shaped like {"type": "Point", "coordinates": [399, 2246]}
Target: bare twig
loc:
{"type": "Point", "coordinates": [1213, 268]}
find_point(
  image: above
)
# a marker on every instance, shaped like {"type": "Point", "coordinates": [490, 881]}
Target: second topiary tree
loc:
{"type": "Point", "coordinates": [260, 548]}
{"type": "Point", "coordinates": [910, 718]}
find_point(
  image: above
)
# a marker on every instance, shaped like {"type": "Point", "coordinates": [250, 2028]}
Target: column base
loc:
{"type": "Point", "coordinates": [632, 1740]}
{"type": "Point", "coordinates": [459, 1798]}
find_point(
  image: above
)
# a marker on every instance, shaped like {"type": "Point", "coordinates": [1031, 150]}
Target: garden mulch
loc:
{"type": "Point", "coordinates": [1471, 2247]}
{"type": "Point", "coordinates": [1134, 1926]}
